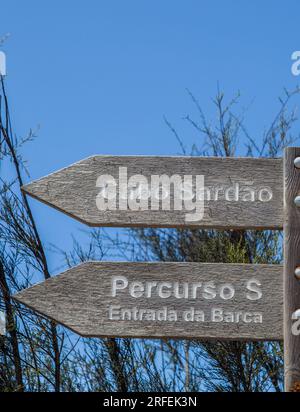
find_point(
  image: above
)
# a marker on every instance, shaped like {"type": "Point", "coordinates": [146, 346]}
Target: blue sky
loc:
{"type": "Point", "coordinates": [98, 76]}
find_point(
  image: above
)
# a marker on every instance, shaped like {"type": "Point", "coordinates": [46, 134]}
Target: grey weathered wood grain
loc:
{"type": "Point", "coordinates": [80, 299]}
{"type": "Point", "coordinates": [291, 261]}
{"type": "Point", "coordinates": [73, 191]}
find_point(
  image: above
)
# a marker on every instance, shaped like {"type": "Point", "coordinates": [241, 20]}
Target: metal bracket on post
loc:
{"type": "Point", "coordinates": [291, 269]}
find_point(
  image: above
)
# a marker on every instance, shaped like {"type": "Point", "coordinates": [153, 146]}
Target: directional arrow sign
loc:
{"type": "Point", "coordinates": [167, 192]}
{"type": "Point", "coordinates": [164, 300]}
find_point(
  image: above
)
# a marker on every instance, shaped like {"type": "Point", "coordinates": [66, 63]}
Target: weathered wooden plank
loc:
{"type": "Point", "coordinates": [164, 300]}
{"type": "Point", "coordinates": [238, 192]}
{"type": "Point", "coordinates": [291, 262]}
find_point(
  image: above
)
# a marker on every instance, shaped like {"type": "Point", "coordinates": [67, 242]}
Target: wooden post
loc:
{"type": "Point", "coordinates": [291, 262]}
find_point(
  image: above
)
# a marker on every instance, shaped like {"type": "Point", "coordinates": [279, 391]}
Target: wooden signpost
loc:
{"type": "Point", "coordinates": [179, 300]}
{"type": "Point", "coordinates": [164, 300]}
{"type": "Point", "coordinates": [238, 192]}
